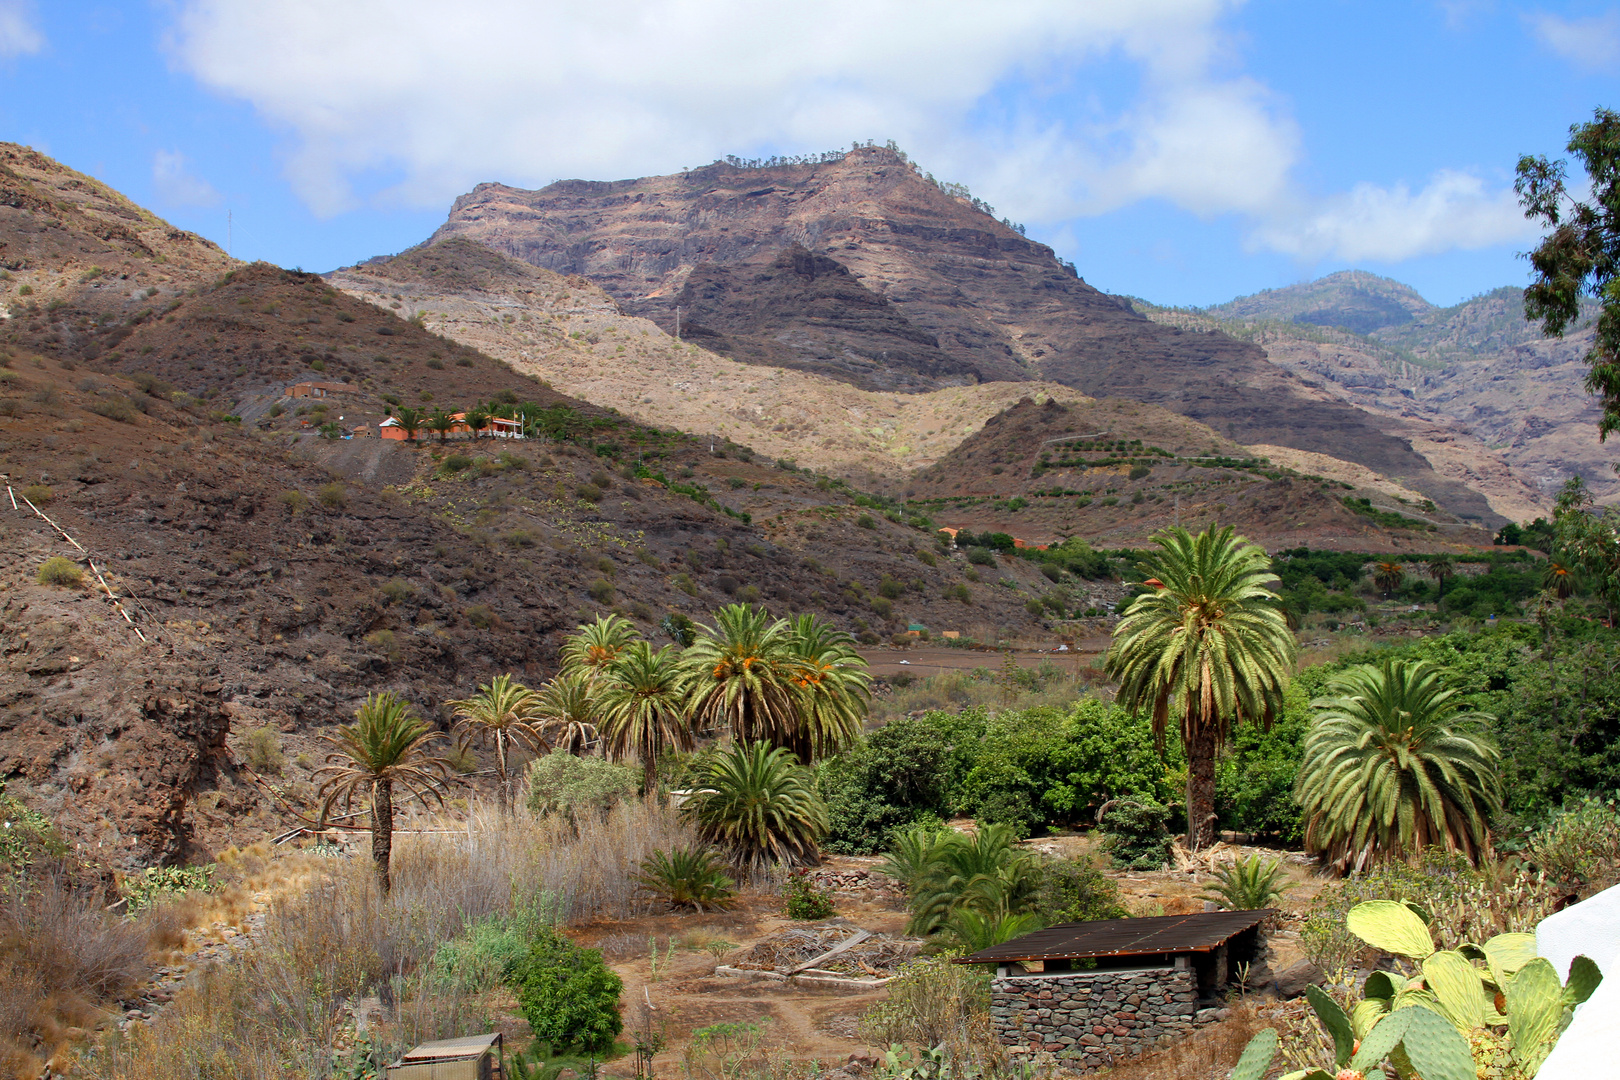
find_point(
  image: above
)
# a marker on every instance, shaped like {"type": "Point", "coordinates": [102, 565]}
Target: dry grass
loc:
{"type": "Point", "coordinates": [1207, 1054]}
{"type": "Point", "coordinates": [956, 690]}
{"type": "Point", "coordinates": [284, 1006]}
{"type": "Point", "coordinates": [63, 959]}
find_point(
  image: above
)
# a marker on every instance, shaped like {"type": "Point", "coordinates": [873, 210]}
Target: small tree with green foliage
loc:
{"type": "Point", "coordinates": [568, 995]}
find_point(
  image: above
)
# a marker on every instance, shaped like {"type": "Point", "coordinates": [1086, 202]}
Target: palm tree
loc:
{"type": "Point", "coordinates": [1442, 569]}
{"type": "Point", "coordinates": [1208, 647]}
{"type": "Point", "coordinates": [410, 421]}
{"type": "Point", "coordinates": [570, 708]}
{"type": "Point", "coordinates": [1558, 579]}
{"type": "Point", "coordinates": [440, 421]}
{"type": "Point", "coordinates": [758, 802]}
{"type": "Point", "coordinates": [477, 418]}
{"type": "Point", "coordinates": [641, 707]}
{"type": "Point", "coordinates": [741, 674]}
{"type": "Point", "coordinates": [1387, 576]}
{"type": "Point", "coordinates": [833, 685]}
{"type": "Point", "coordinates": [507, 713]}
{"type": "Point", "coordinates": [1395, 762]}
{"type": "Point", "coordinates": [983, 873]}
{"type": "Point", "coordinates": [386, 745]}
{"type": "Point", "coordinates": [598, 644]}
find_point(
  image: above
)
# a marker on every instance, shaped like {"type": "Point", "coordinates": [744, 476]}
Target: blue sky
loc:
{"type": "Point", "coordinates": [1186, 151]}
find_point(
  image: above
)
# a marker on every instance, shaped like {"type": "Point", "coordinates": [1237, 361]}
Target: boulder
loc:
{"type": "Point", "coordinates": [1295, 978]}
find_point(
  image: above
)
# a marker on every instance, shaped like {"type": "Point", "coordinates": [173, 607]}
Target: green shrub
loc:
{"type": "Point", "coordinates": [601, 591]}
{"type": "Point", "coordinates": [158, 883]}
{"type": "Point", "coordinates": [455, 463]}
{"type": "Point", "coordinates": [865, 521]}
{"type": "Point", "coordinates": [38, 494]}
{"type": "Point", "coordinates": [117, 408]}
{"type": "Point", "coordinates": [684, 583]}
{"type": "Point", "coordinates": [687, 877]}
{"type": "Point", "coordinates": [295, 501]}
{"type": "Point", "coordinates": [1073, 891]}
{"type": "Point", "coordinates": [398, 590]}
{"type": "Point", "coordinates": [1139, 471]}
{"type": "Point", "coordinates": [803, 900]}
{"type": "Point", "coordinates": [581, 789]}
{"type": "Point", "coordinates": [26, 837]}
{"type": "Point", "coordinates": [569, 996]}
{"type": "Point", "coordinates": [477, 960]}
{"type": "Point", "coordinates": [979, 556]}
{"type": "Point", "coordinates": [57, 570]}
{"type": "Point", "coordinates": [264, 752]}
{"type": "Point", "coordinates": [960, 593]}
{"type": "Point", "coordinates": [1136, 834]}
{"type": "Point", "coordinates": [882, 608]}
{"type": "Point", "coordinates": [333, 495]}
{"type": "Point", "coordinates": [1248, 885]}
{"type": "Point", "coordinates": [481, 616]}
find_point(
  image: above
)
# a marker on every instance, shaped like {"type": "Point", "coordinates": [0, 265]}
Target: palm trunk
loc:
{"type": "Point", "coordinates": [1201, 788]}
{"type": "Point", "coordinates": [382, 830]}
{"type": "Point", "coordinates": [500, 771]}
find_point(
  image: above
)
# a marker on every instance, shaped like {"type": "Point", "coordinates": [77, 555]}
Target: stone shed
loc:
{"type": "Point", "coordinates": [1088, 993]}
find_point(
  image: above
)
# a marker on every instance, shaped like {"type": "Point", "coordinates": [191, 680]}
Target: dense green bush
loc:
{"type": "Point", "coordinates": [802, 899]}
{"type": "Point", "coordinates": [579, 787]}
{"type": "Point", "coordinates": [569, 996]}
{"type": "Point", "coordinates": [979, 556]}
{"type": "Point", "coordinates": [1072, 891]}
{"type": "Point", "coordinates": [479, 959]}
{"type": "Point", "coordinates": [1136, 834]}
{"type": "Point", "coordinates": [1254, 779]}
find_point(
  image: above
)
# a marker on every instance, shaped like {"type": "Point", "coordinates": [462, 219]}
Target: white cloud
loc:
{"type": "Point", "coordinates": [175, 185]}
{"type": "Point", "coordinates": [18, 34]}
{"type": "Point", "coordinates": [531, 90]}
{"type": "Point", "coordinates": [1592, 43]}
{"type": "Point", "coordinates": [437, 99]}
{"type": "Point", "coordinates": [1453, 211]}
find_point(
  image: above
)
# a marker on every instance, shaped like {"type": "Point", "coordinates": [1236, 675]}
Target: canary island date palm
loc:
{"type": "Point", "coordinates": [1395, 762]}
{"type": "Point", "coordinates": [508, 714]}
{"type": "Point", "coordinates": [833, 686]}
{"type": "Point", "coordinates": [571, 707]}
{"type": "Point", "coordinates": [440, 421]}
{"type": "Point", "coordinates": [1387, 576]}
{"type": "Point", "coordinates": [1206, 648]}
{"type": "Point", "coordinates": [386, 745]}
{"type": "Point", "coordinates": [740, 675]}
{"type": "Point", "coordinates": [756, 802]}
{"type": "Point", "coordinates": [595, 646]}
{"type": "Point", "coordinates": [642, 712]}
{"type": "Point", "coordinates": [947, 873]}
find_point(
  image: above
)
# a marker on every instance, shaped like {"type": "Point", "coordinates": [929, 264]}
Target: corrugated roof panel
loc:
{"type": "Point", "coordinates": [1124, 937]}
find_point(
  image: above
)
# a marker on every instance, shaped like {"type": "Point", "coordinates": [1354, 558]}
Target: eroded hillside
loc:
{"type": "Point", "coordinates": [934, 272]}
{"type": "Point", "coordinates": [570, 333]}
{"type": "Point", "coordinates": [1488, 400]}
{"type": "Point", "coordinates": [280, 575]}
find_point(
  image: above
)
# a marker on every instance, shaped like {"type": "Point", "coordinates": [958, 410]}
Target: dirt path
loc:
{"type": "Point", "coordinates": [935, 660]}
{"type": "Point", "coordinates": [804, 1023]}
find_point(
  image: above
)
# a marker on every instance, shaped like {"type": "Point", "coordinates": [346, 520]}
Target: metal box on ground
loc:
{"type": "Point", "coordinates": [475, 1057]}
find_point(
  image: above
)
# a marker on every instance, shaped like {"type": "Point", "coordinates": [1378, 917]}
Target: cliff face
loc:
{"type": "Point", "coordinates": [964, 297]}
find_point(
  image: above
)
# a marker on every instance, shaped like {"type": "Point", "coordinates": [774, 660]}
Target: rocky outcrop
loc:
{"type": "Point", "coordinates": [998, 306]}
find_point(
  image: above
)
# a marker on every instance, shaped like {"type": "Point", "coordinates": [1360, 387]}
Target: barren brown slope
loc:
{"type": "Point", "coordinates": [279, 576]}
{"type": "Point", "coordinates": [569, 332]}
{"type": "Point", "coordinates": [997, 303]}
{"type": "Point", "coordinates": [1488, 400]}
{"type": "Point", "coordinates": [1114, 472]}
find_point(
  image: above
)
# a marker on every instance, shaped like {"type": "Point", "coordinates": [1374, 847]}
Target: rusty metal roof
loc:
{"type": "Point", "coordinates": [1124, 937]}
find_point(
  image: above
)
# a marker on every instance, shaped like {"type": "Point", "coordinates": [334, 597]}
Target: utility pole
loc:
{"type": "Point", "coordinates": [677, 322]}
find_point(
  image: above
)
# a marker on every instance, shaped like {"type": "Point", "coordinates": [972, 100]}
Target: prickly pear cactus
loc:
{"type": "Point", "coordinates": [1393, 927]}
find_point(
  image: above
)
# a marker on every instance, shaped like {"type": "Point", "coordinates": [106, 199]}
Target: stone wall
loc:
{"type": "Point", "coordinates": [1088, 1018]}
